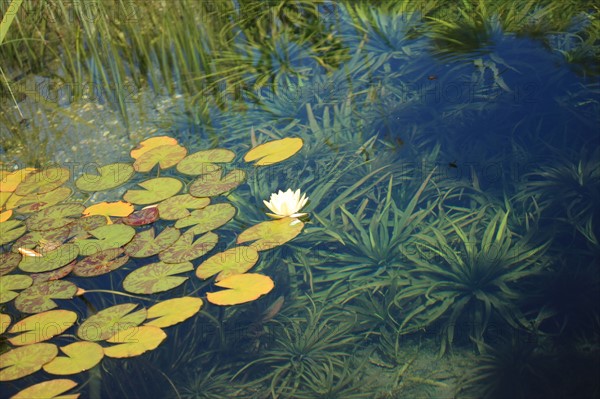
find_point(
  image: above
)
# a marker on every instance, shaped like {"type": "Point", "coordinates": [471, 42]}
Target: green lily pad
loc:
{"type": "Point", "coordinates": [186, 249]}
{"type": "Point", "coordinates": [4, 322]}
{"type": "Point", "coordinates": [142, 217]}
{"type": "Point", "coordinates": [135, 341]}
{"type": "Point", "coordinates": [12, 282]}
{"type": "Point", "coordinates": [165, 155]}
{"type": "Point", "coordinates": [207, 219]}
{"type": "Point", "coordinates": [8, 262]}
{"type": "Point", "coordinates": [212, 184]}
{"type": "Point", "coordinates": [111, 321]}
{"type": "Point", "coordinates": [52, 389]}
{"type": "Point", "coordinates": [43, 181]}
{"type": "Point", "coordinates": [40, 297]}
{"type": "Point", "coordinates": [107, 237]}
{"type": "Point", "coordinates": [177, 207]}
{"type": "Point", "coordinates": [235, 260]}
{"type": "Point", "coordinates": [144, 244]}
{"type": "Point", "coordinates": [274, 151]}
{"type": "Point", "coordinates": [56, 274]}
{"type": "Point", "coordinates": [54, 217]}
{"type": "Point", "coordinates": [11, 230]}
{"type": "Point", "coordinates": [107, 177]}
{"type": "Point", "coordinates": [25, 360]}
{"type": "Point", "coordinates": [80, 356]}
{"type": "Point", "coordinates": [271, 234]}
{"type": "Point", "coordinates": [156, 190]}
{"type": "Point", "coordinates": [51, 260]}
{"type": "Point", "coordinates": [101, 262]}
{"type": "Point", "coordinates": [202, 162]}
{"type": "Point", "coordinates": [35, 202]}
{"type": "Point", "coordinates": [79, 229]}
{"type": "Point", "coordinates": [156, 277]}
{"type": "Point", "coordinates": [35, 238]}
{"type": "Point", "coordinates": [172, 311]}
{"type": "Point", "coordinates": [41, 327]}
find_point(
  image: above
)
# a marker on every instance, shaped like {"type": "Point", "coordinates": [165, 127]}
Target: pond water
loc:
{"type": "Point", "coordinates": [449, 246]}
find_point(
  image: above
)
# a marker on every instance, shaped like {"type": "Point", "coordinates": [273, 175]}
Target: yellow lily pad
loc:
{"type": "Point", "coordinates": [177, 207]}
{"type": "Point", "coordinates": [12, 282]}
{"type": "Point", "coordinates": [165, 156]}
{"type": "Point", "coordinates": [212, 184]}
{"type": "Point", "coordinates": [10, 180]}
{"type": "Point", "coordinates": [40, 297]}
{"type": "Point", "coordinates": [25, 360]}
{"type": "Point", "coordinates": [151, 143]}
{"type": "Point", "coordinates": [48, 390]}
{"type": "Point", "coordinates": [156, 190]}
{"type": "Point", "coordinates": [242, 288]}
{"type": "Point", "coordinates": [43, 181]}
{"type": "Point", "coordinates": [111, 321]}
{"type": "Point", "coordinates": [81, 356]}
{"type": "Point", "coordinates": [271, 234]}
{"type": "Point", "coordinates": [135, 341]}
{"type": "Point", "coordinates": [4, 322]}
{"type": "Point", "coordinates": [107, 209]}
{"type": "Point", "coordinates": [172, 311]}
{"type": "Point", "coordinates": [156, 277]}
{"type": "Point", "coordinates": [203, 162]}
{"type": "Point", "coordinates": [274, 151]}
{"type": "Point", "coordinates": [41, 327]}
{"type": "Point", "coordinates": [107, 177]}
{"type": "Point", "coordinates": [4, 216]}
{"type": "Point", "coordinates": [235, 260]}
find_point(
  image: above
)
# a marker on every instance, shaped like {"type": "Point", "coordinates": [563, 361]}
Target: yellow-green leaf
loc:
{"type": "Point", "coordinates": [106, 237]}
{"type": "Point", "coordinates": [177, 207]}
{"type": "Point", "coordinates": [48, 390]}
{"type": "Point", "coordinates": [155, 190]}
{"type": "Point", "coordinates": [135, 341]}
{"type": "Point", "coordinates": [274, 151]}
{"type": "Point", "coordinates": [165, 155]}
{"type": "Point", "coordinates": [151, 143]}
{"type": "Point", "coordinates": [25, 360]}
{"type": "Point", "coordinates": [11, 230]}
{"type": "Point", "coordinates": [80, 356]}
{"type": "Point", "coordinates": [10, 180]}
{"type": "Point", "coordinates": [156, 277]}
{"type": "Point", "coordinates": [212, 184]}
{"type": "Point", "coordinates": [41, 327]}
{"type": "Point", "coordinates": [40, 297]}
{"type": "Point", "coordinates": [108, 177]}
{"type": "Point", "coordinates": [235, 260]}
{"type": "Point", "coordinates": [242, 288]}
{"type": "Point", "coordinates": [186, 249]}
{"type": "Point", "coordinates": [111, 321]}
{"type": "Point", "coordinates": [173, 311]}
{"type": "Point", "coordinates": [270, 234]}
{"type": "Point", "coordinates": [43, 181]}
{"type": "Point", "coordinates": [35, 202]}
{"type": "Point", "coordinates": [144, 244]}
{"type": "Point", "coordinates": [50, 260]}
{"type": "Point", "coordinates": [4, 322]}
{"type": "Point", "coordinates": [207, 219]}
{"type": "Point", "coordinates": [203, 162]}
{"type": "Point", "coordinates": [12, 282]}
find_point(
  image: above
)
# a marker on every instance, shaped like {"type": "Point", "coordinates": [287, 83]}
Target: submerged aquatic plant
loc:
{"type": "Point", "coordinates": [469, 277]}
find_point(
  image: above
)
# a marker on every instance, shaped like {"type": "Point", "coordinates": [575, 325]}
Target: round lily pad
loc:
{"type": "Point", "coordinates": [165, 156]}
{"type": "Point", "coordinates": [142, 217]}
{"type": "Point", "coordinates": [155, 190]}
{"type": "Point", "coordinates": [101, 262]}
{"type": "Point", "coordinates": [12, 282]}
{"type": "Point", "coordinates": [235, 260]}
{"type": "Point", "coordinates": [177, 207]}
{"type": "Point", "coordinates": [56, 274]}
{"type": "Point", "coordinates": [212, 184]}
{"type": "Point", "coordinates": [274, 151]}
{"type": "Point", "coordinates": [35, 202]}
{"type": "Point", "coordinates": [135, 341]}
{"type": "Point", "coordinates": [107, 177]}
{"type": "Point", "coordinates": [8, 262]}
{"type": "Point", "coordinates": [186, 249]}
{"type": "Point", "coordinates": [151, 143]}
{"type": "Point", "coordinates": [109, 236]}
{"type": "Point", "coordinates": [36, 238]}
{"type": "Point", "coordinates": [144, 243]}
{"type": "Point", "coordinates": [156, 277]}
{"type": "Point", "coordinates": [202, 162]}
{"type": "Point", "coordinates": [54, 259]}
{"type": "Point", "coordinates": [43, 181]}
{"type": "Point", "coordinates": [81, 226]}
{"type": "Point", "coordinates": [242, 288]}
{"type": "Point", "coordinates": [110, 321]}
{"type": "Point", "coordinates": [11, 230]}
{"type": "Point", "coordinates": [25, 360]}
{"type": "Point", "coordinates": [207, 219]}
{"type": "Point", "coordinates": [40, 297]}
{"type": "Point", "coordinates": [41, 327]}
{"type": "Point", "coordinates": [54, 217]}
{"type": "Point", "coordinates": [80, 356]}
{"type": "Point", "coordinates": [48, 389]}
{"type": "Point", "coordinates": [270, 234]}
{"type": "Point", "coordinates": [173, 311]}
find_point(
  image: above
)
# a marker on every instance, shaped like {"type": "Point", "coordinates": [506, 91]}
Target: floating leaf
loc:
{"type": "Point", "coordinates": [101, 262]}
{"type": "Point", "coordinates": [135, 341]}
{"type": "Point", "coordinates": [4, 322]}
{"type": "Point", "coordinates": [173, 311]}
{"type": "Point", "coordinates": [156, 277]}
{"type": "Point", "coordinates": [151, 143]}
{"type": "Point", "coordinates": [270, 234]}
{"type": "Point", "coordinates": [156, 190]}
{"type": "Point", "coordinates": [144, 244]}
{"type": "Point", "coordinates": [142, 217]}
{"type": "Point", "coordinates": [39, 297]}
{"type": "Point", "coordinates": [48, 390]}
{"type": "Point", "coordinates": [107, 209]}
{"type": "Point", "coordinates": [43, 181]}
{"type": "Point", "coordinates": [54, 274]}
{"type": "Point", "coordinates": [50, 260]}
{"type": "Point", "coordinates": [212, 184]}
{"type": "Point", "coordinates": [25, 360]}
{"type": "Point", "coordinates": [165, 155]}
{"type": "Point", "coordinates": [54, 217]}
{"type": "Point", "coordinates": [186, 249]}
{"type": "Point", "coordinates": [4, 216]}
{"type": "Point", "coordinates": [41, 327]}
{"type": "Point", "coordinates": [111, 321]}
{"type": "Point", "coordinates": [35, 202]}
{"type": "Point", "coordinates": [110, 236]}
{"type": "Point", "coordinates": [12, 282]}
{"type": "Point", "coordinates": [107, 177]}
{"type": "Point", "coordinates": [202, 162]}
{"type": "Point", "coordinates": [79, 229]}
{"type": "Point", "coordinates": [8, 262]}
{"type": "Point", "coordinates": [36, 238]}
{"type": "Point", "coordinates": [10, 180]}
{"type": "Point", "coordinates": [235, 260]}
{"type": "Point", "coordinates": [177, 207]}
{"type": "Point", "coordinates": [274, 151]}
{"type": "Point", "coordinates": [242, 288]}
{"type": "Point", "coordinates": [81, 356]}
{"type": "Point", "coordinates": [207, 219]}
{"type": "Point", "coordinates": [11, 230]}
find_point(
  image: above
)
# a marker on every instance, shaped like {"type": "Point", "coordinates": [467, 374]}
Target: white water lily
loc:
{"type": "Point", "coordinates": [286, 204]}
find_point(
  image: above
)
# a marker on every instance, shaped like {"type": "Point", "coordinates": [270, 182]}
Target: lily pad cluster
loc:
{"type": "Point", "coordinates": [46, 236]}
